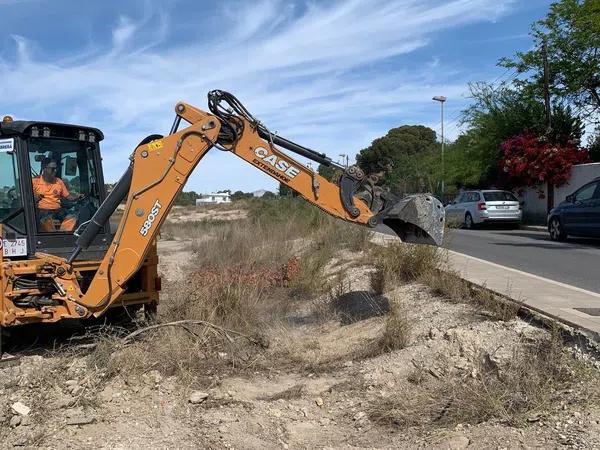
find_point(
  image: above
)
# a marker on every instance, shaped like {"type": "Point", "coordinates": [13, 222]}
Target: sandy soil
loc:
{"type": "Point", "coordinates": [314, 387]}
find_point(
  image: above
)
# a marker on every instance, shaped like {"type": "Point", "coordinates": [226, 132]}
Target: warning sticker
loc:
{"type": "Point", "coordinates": [155, 145]}
{"type": "Point", "coordinates": [7, 145]}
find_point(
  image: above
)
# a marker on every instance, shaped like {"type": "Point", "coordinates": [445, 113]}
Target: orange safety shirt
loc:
{"type": "Point", "coordinates": [51, 192]}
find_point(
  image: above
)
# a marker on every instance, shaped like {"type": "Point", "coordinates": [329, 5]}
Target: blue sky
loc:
{"type": "Point", "coordinates": [331, 75]}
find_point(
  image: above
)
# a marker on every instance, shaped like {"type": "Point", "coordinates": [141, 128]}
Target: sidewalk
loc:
{"type": "Point", "coordinates": [568, 304]}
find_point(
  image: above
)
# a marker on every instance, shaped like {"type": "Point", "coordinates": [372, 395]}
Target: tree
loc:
{"type": "Point", "coordinates": [498, 114]}
{"type": "Point", "coordinates": [330, 173]}
{"type": "Point", "coordinates": [530, 161]}
{"type": "Point", "coordinates": [571, 31]}
{"type": "Point", "coordinates": [239, 195]}
{"type": "Point", "coordinates": [286, 191]}
{"type": "Point", "coordinates": [399, 157]}
{"type": "Point", "coordinates": [186, 198]}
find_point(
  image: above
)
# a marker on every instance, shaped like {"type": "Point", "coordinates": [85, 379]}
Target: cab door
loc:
{"type": "Point", "coordinates": [12, 208]}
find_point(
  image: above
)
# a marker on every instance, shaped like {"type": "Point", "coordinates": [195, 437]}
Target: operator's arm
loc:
{"type": "Point", "coordinates": [64, 191]}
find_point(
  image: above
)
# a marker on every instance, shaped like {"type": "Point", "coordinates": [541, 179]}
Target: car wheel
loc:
{"type": "Point", "coordinates": [468, 224]}
{"type": "Point", "coordinates": [556, 230]}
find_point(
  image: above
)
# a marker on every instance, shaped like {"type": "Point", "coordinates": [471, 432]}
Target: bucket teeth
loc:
{"type": "Point", "coordinates": [418, 219]}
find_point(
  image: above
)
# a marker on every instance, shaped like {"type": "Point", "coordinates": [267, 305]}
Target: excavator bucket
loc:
{"type": "Point", "coordinates": [417, 219]}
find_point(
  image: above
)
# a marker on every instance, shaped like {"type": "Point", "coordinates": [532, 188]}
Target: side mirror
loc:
{"type": "Point", "coordinates": [570, 198]}
{"type": "Point", "coordinates": [522, 203]}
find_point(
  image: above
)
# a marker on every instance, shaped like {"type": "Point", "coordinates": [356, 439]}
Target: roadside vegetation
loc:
{"type": "Point", "coordinates": [311, 314]}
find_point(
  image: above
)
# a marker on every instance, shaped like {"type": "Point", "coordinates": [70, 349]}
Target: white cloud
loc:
{"type": "Point", "coordinates": [311, 73]}
{"type": "Point", "coordinates": [123, 33]}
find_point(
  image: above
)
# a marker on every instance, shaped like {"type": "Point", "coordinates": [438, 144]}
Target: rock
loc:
{"type": "Point", "coordinates": [80, 420]}
{"type": "Point", "coordinates": [25, 421]}
{"type": "Point", "coordinates": [197, 397]}
{"type": "Point", "coordinates": [21, 409]}
{"type": "Point", "coordinates": [319, 401]}
{"type": "Point", "coordinates": [15, 421]}
{"type": "Point", "coordinates": [457, 442]}
{"type": "Point", "coordinates": [20, 442]}
{"type": "Point", "coordinates": [64, 402]}
{"type": "Point", "coordinates": [75, 390]}
{"type": "Point", "coordinates": [434, 333]}
{"type": "Point", "coordinates": [153, 377]}
{"type": "Point", "coordinates": [360, 415]}
{"type": "Point", "coordinates": [74, 412]}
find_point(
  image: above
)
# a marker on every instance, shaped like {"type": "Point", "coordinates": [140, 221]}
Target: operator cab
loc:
{"type": "Point", "coordinates": [51, 184]}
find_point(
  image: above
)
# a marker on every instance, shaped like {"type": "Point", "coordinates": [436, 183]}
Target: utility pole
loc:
{"type": "Point", "coordinates": [442, 99]}
{"type": "Point", "coordinates": [547, 87]}
{"type": "Point", "coordinates": [548, 109]}
{"type": "Point", "coordinates": [344, 156]}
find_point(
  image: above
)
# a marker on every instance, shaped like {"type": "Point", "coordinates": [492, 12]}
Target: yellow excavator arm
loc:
{"type": "Point", "coordinates": [160, 167]}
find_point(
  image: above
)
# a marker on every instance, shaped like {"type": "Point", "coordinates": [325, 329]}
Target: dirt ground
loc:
{"type": "Point", "coordinates": [315, 386]}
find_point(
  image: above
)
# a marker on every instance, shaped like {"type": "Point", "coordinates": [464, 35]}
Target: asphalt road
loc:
{"type": "Point", "coordinates": [575, 262]}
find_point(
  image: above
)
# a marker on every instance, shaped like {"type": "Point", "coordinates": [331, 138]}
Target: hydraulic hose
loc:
{"type": "Point", "coordinates": [101, 217]}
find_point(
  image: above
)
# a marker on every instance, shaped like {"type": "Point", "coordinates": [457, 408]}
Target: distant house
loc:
{"type": "Point", "coordinates": [213, 199]}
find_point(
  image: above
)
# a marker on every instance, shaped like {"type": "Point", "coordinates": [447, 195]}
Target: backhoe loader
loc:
{"type": "Point", "coordinates": [59, 258]}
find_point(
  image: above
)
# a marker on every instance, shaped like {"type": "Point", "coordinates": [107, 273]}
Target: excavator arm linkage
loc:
{"type": "Point", "coordinates": [160, 168]}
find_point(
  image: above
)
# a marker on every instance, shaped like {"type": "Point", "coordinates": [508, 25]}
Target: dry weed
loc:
{"type": "Point", "coordinates": [406, 262]}
{"type": "Point", "coordinates": [397, 331]}
{"type": "Point", "coordinates": [530, 383]}
{"type": "Point", "coordinates": [450, 285]}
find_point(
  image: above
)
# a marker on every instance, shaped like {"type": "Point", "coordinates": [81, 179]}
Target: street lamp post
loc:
{"type": "Point", "coordinates": [344, 156]}
{"type": "Point", "coordinates": [442, 99]}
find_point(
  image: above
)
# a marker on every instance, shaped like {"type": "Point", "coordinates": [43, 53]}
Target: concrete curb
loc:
{"type": "Point", "coordinates": [584, 332]}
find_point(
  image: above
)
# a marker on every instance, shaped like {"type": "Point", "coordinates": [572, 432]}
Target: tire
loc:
{"type": "Point", "coordinates": [468, 224]}
{"type": "Point", "coordinates": [556, 230]}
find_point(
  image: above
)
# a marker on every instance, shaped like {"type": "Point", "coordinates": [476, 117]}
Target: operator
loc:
{"type": "Point", "coordinates": [48, 191]}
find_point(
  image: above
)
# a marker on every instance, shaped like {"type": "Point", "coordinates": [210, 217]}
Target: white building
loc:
{"type": "Point", "coordinates": [213, 199]}
{"type": "Point", "coordinates": [534, 208]}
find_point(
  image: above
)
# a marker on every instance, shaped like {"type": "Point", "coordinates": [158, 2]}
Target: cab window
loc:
{"type": "Point", "coordinates": [11, 205]}
{"type": "Point", "coordinates": [65, 183]}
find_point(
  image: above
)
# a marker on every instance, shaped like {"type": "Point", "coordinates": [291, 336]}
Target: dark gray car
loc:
{"type": "Point", "coordinates": [578, 215]}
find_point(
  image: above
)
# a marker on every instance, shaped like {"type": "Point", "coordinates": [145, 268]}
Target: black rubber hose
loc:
{"type": "Point", "coordinates": [108, 206]}
{"type": "Point", "coordinates": [103, 214]}
{"type": "Point", "coordinates": [321, 158]}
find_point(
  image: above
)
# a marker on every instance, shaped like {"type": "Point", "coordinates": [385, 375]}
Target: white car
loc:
{"type": "Point", "coordinates": [471, 208]}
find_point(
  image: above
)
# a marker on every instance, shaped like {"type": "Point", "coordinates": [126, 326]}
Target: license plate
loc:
{"type": "Point", "coordinates": [14, 247]}
{"type": "Point", "coordinates": [502, 207]}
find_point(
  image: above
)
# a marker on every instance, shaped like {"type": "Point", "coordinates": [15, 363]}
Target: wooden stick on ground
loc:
{"type": "Point", "coordinates": [183, 323]}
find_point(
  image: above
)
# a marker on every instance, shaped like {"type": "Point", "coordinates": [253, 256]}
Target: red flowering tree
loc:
{"type": "Point", "coordinates": [530, 161]}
